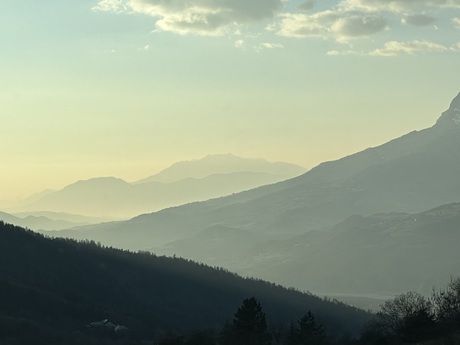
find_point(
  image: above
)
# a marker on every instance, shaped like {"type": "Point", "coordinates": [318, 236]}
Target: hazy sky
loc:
{"type": "Point", "coordinates": [126, 87]}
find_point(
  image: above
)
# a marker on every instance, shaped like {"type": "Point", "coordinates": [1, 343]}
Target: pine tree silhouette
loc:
{"type": "Point", "coordinates": [307, 332]}
{"type": "Point", "coordinates": [249, 326]}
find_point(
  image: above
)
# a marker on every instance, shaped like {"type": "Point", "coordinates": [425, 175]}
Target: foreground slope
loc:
{"type": "Point", "coordinates": [59, 286]}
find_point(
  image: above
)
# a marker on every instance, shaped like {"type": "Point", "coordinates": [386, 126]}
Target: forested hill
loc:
{"type": "Point", "coordinates": [53, 288]}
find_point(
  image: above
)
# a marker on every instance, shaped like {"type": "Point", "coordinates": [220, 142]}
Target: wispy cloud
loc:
{"type": "Point", "coordinates": [339, 25]}
{"type": "Point", "coordinates": [456, 22]}
{"type": "Point", "coordinates": [242, 44]}
{"type": "Point", "coordinates": [342, 21]}
{"type": "Point", "coordinates": [199, 17]}
{"type": "Point", "coordinates": [419, 20]}
{"type": "Point", "coordinates": [307, 5]}
{"type": "Point", "coordinates": [267, 45]}
{"type": "Point", "coordinates": [343, 52]}
{"type": "Point", "coordinates": [398, 5]}
{"type": "Point", "coordinates": [395, 48]}
{"type": "Point", "coordinates": [239, 43]}
{"type": "Point", "coordinates": [111, 6]}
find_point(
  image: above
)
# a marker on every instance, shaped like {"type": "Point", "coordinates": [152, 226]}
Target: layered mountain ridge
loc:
{"type": "Point", "coordinates": [183, 182]}
{"type": "Point", "coordinates": [411, 174]}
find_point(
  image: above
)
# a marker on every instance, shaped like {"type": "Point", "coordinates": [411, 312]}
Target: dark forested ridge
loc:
{"type": "Point", "coordinates": [51, 289]}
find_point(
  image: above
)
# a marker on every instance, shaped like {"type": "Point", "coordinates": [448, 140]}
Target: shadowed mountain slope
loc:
{"type": "Point", "coordinates": [380, 255]}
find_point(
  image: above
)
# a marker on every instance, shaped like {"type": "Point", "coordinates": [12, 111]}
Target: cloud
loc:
{"type": "Point", "coordinates": [394, 48]}
{"type": "Point", "coordinates": [419, 20]}
{"type": "Point", "coordinates": [342, 53]}
{"type": "Point", "coordinates": [199, 17]}
{"type": "Point", "coordinates": [359, 25]}
{"type": "Point", "coordinates": [307, 5]}
{"type": "Point", "coordinates": [242, 44]}
{"type": "Point", "coordinates": [340, 25]}
{"type": "Point", "coordinates": [343, 21]}
{"type": "Point", "coordinates": [397, 5]}
{"type": "Point", "coordinates": [238, 43]}
{"type": "Point", "coordinates": [456, 22]}
{"type": "Point", "coordinates": [266, 45]}
{"type": "Point", "coordinates": [111, 6]}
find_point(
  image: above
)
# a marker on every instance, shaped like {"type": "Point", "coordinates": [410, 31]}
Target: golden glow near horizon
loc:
{"type": "Point", "coordinates": [126, 88]}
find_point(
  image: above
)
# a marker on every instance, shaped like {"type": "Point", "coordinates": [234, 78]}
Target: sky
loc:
{"type": "Point", "coordinates": [127, 87]}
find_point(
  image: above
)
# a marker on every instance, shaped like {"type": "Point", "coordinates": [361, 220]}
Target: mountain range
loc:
{"type": "Point", "coordinates": [183, 182]}
{"type": "Point", "coordinates": [408, 175]}
{"type": "Point", "coordinates": [46, 220]}
{"type": "Point", "coordinates": [376, 256]}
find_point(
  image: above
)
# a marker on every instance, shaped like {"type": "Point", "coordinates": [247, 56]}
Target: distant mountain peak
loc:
{"type": "Point", "coordinates": [456, 101]}
{"type": "Point", "coordinates": [98, 180]}
{"type": "Point", "coordinates": [226, 163]}
{"type": "Point", "coordinates": [451, 115]}
{"type": "Point", "coordinates": [215, 155]}
{"type": "Point", "coordinates": [227, 158]}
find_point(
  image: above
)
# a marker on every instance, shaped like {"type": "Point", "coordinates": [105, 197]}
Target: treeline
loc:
{"type": "Point", "coordinates": [411, 318]}
{"type": "Point", "coordinates": [51, 289]}
{"type": "Point", "coordinates": [249, 327]}
{"type": "Point", "coordinates": [58, 291]}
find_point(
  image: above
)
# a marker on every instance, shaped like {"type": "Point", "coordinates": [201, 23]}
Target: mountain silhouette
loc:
{"type": "Point", "coordinates": [183, 182]}
{"type": "Point", "coordinates": [222, 164]}
{"type": "Point", "coordinates": [411, 174]}
{"type": "Point", "coordinates": [378, 255]}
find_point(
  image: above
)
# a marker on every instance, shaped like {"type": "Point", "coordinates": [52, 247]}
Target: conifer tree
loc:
{"type": "Point", "coordinates": [249, 326]}
{"type": "Point", "coordinates": [307, 332]}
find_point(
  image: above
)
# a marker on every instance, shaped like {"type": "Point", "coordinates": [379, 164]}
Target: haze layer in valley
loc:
{"type": "Point", "coordinates": [187, 181]}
